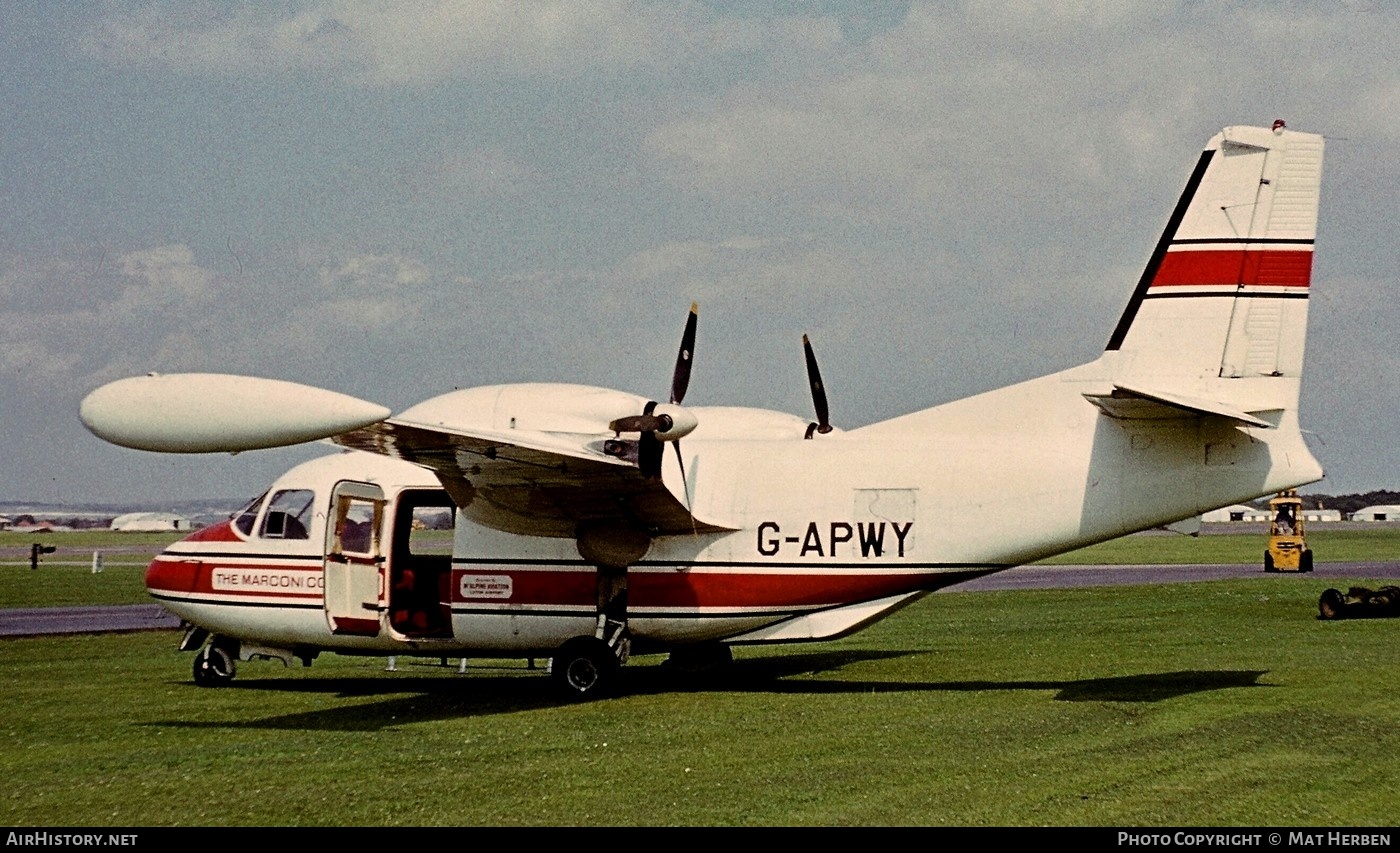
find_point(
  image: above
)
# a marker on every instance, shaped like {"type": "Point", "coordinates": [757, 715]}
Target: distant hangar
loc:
{"type": "Point", "coordinates": [151, 522]}
{"type": "Point", "coordinates": [1380, 512]}
{"type": "Point", "coordinates": [1241, 512]}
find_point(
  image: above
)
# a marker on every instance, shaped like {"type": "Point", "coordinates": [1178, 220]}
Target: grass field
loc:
{"type": "Point", "coordinates": [65, 577]}
{"type": "Point", "coordinates": [1341, 544]}
{"type": "Point", "coordinates": [1221, 703]}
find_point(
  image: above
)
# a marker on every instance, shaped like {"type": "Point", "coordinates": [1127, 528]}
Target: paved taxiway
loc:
{"type": "Point", "coordinates": [147, 617]}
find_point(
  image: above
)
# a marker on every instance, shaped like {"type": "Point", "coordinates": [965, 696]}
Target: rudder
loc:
{"type": "Point", "coordinates": [1224, 295]}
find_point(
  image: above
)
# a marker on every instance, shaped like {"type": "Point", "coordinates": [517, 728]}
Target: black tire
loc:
{"type": "Point", "coordinates": [214, 667]}
{"type": "Point", "coordinates": [585, 668]}
{"type": "Point", "coordinates": [1305, 562]}
{"type": "Point", "coordinates": [1331, 605]}
{"type": "Point", "coordinates": [1269, 562]}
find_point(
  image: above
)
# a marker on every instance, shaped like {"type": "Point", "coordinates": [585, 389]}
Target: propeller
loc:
{"type": "Point", "coordinates": [660, 422]}
{"type": "Point", "coordinates": [814, 379]}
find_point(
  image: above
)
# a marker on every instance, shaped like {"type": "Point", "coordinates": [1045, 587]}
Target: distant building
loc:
{"type": "Point", "coordinates": [5, 522]}
{"type": "Point", "coordinates": [1322, 514]}
{"type": "Point", "coordinates": [1237, 512]}
{"type": "Point", "coordinates": [1380, 512]}
{"type": "Point", "coordinates": [150, 522]}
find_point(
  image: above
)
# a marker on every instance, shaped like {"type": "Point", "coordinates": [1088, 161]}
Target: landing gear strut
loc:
{"type": "Point", "coordinates": [586, 667]}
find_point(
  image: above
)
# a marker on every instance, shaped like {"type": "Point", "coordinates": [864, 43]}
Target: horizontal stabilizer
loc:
{"type": "Point", "coordinates": [1135, 404]}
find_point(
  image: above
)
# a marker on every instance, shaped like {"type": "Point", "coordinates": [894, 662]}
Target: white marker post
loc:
{"type": "Point", "coordinates": [97, 562]}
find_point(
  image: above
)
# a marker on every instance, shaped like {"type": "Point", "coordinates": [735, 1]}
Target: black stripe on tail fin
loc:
{"type": "Point", "coordinates": [1150, 272]}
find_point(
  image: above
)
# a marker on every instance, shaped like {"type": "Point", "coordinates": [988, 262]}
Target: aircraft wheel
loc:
{"type": "Point", "coordinates": [584, 668]}
{"type": "Point", "coordinates": [213, 667]}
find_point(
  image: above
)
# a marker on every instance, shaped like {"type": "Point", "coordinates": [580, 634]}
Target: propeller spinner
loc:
{"type": "Point", "coordinates": [660, 422]}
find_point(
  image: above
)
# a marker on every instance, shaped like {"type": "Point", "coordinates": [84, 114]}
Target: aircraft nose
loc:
{"type": "Point", "coordinates": [169, 573]}
{"type": "Point", "coordinates": [177, 569]}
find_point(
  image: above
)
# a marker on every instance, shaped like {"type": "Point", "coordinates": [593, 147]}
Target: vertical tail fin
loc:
{"type": "Point", "coordinates": [1224, 295]}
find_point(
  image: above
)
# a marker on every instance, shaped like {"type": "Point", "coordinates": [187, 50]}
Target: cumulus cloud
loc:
{"type": "Point", "coordinates": [163, 276]}
{"type": "Point", "coordinates": [374, 272]}
{"type": "Point", "coordinates": [1046, 114]}
{"type": "Point", "coordinates": [159, 308]}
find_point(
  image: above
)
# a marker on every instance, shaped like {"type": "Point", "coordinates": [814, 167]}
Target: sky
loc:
{"type": "Point", "coordinates": [396, 200]}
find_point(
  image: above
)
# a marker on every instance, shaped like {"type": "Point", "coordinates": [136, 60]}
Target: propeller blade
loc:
{"type": "Point", "coordinates": [685, 481]}
{"type": "Point", "coordinates": [649, 456]}
{"type": "Point", "coordinates": [680, 380]}
{"type": "Point", "coordinates": [648, 445]}
{"type": "Point", "coordinates": [814, 379]}
{"type": "Point", "coordinates": [673, 422]}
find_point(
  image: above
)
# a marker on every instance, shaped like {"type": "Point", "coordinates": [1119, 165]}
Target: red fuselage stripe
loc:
{"type": "Point", "coordinates": [544, 588]}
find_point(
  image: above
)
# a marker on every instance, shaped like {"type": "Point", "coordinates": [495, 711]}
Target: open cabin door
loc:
{"type": "Point", "coordinates": [420, 565]}
{"type": "Point", "coordinates": [354, 557]}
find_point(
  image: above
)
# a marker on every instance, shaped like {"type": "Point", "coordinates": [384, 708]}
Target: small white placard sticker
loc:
{"type": "Point", "coordinates": [485, 586]}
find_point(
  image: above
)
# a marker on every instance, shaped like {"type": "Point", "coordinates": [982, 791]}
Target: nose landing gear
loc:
{"type": "Point", "coordinates": [216, 664]}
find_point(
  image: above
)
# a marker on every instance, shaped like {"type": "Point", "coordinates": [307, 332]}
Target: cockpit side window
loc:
{"type": "Point", "coordinates": [244, 519]}
{"type": "Point", "coordinates": [288, 514]}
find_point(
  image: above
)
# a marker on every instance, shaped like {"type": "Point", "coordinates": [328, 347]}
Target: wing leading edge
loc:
{"type": "Point", "coordinates": [532, 483]}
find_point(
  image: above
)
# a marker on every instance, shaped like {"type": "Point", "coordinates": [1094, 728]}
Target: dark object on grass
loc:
{"type": "Point", "coordinates": [37, 550]}
{"type": "Point", "coordinates": [1359, 603]}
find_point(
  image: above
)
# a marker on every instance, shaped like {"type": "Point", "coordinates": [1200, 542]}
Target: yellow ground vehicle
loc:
{"type": "Point", "coordinates": [1288, 551]}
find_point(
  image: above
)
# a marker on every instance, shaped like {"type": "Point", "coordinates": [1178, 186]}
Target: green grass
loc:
{"type": "Point", "coordinates": [81, 540]}
{"type": "Point", "coordinates": [65, 577]}
{"type": "Point", "coordinates": [1218, 703]}
{"type": "Point", "coordinates": [1328, 546]}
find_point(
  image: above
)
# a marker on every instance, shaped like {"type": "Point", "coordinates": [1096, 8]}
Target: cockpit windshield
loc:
{"type": "Point", "coordinates": [244, 519]}
{"type": "Point", "coordinates": [288, 514]}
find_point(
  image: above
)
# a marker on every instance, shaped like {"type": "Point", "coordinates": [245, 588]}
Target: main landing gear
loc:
{"type": "Point", "coordinates": [589, 667]}
{"type": "Point", "coordinates": [585, 668]}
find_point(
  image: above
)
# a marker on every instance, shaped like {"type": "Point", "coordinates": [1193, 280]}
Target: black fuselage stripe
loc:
{"type": "Point", "coordinates": [1126, 321]}
{"type": "Point", "coordinates": [206, 556]}
{"type": "Point", "coordinates": [223, 602]}
{"type": "Point", "coordinates": [1245, 241]}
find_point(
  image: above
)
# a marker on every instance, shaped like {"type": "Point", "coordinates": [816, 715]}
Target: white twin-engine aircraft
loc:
{"type": "Point", "coordinates": [579, 536]}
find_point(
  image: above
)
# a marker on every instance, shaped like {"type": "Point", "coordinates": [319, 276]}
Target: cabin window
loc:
{"type": "Point", "coordinates": [358, 529]}
{"type": "Point", "coordinates": [244, 519]}
{"type": "Point", "coordinates": [288, 514]}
